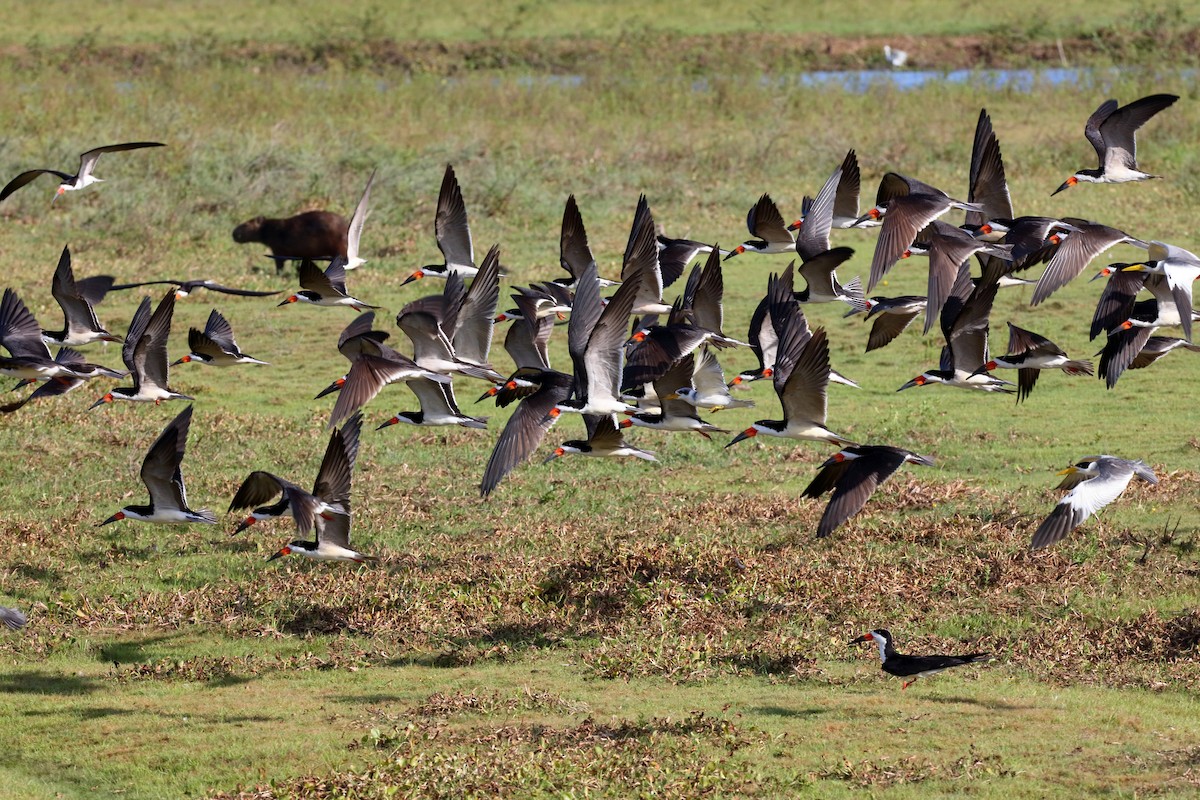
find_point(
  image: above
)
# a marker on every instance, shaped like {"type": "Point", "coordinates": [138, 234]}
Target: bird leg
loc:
{"type": "Point", "coordinates": [908, 684]}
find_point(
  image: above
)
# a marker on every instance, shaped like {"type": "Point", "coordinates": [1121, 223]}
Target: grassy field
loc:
{"type": "Point", "coordinates": [594, 629]}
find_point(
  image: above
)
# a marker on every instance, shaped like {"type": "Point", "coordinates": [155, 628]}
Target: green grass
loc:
{"type": "Point", "coordinates": [562, 636]}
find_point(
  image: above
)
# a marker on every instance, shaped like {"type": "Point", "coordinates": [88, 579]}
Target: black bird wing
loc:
{"type": "Point", "coordinates": [77, 310]}
{"type": "Point", "coordinates": [27, 177]}
{"type": "Point", "coordinates": [573, 252]}
{"type": "Point", "coordinates": [765, 222]}
{"type": "Point", "coordinates": [367, 376]}
{"type": "Point", "coordinates": [150, 363]}
{"type": "Point", "coordinates": [813, 237]}
{"type": "Point", "coordinates": [20, 332]}
{"type": "Point", "coordinates": [218, 330]}
{"type": "Point", "coordinates": [802, 375]}
{"type": "Point", "coordinates": [1116, 301]}
{"type": "Point", "coordinates": [137, 327]}
{"type": "Point", "coordinates": [314, 279]}
{"type": "Point", "coordinates": [87, 161]}
{"type": "Point", "coordinates": [472, 337]}
{"type": "Point", "coordinates": [906, 217]}
{"type": "Point", "coordinates": [845, 203]}
{"type": "Point", "coordinates": [856, 485]}
{"type": "Point", "coordinates": [887, 327]}
{"type": "Point", "coordinates": [525, 429]}
{"type": "Point", "coordinates": [1117, 130]}
{"type": "Point", "coordinates": [989, 186]}
{"type": "Point", "coordinates": [903, 666]}
{"type": "Point", "coordinates": [259, 487]}
{"type": "Point", "coordinates": [450, 224]}
{"type": "Point", "coordinates": [161, 468]}
{"type": "Point", "coordinates": [1075, 253]}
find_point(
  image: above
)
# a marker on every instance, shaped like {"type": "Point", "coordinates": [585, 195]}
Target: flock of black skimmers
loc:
{"type": "Point", "coordinates": [664, 370]}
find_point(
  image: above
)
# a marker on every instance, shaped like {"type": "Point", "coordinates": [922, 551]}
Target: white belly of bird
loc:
{"type": "Point", "coordinates": [330, 552]}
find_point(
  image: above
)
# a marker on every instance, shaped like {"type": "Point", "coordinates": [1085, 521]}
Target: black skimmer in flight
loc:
{"type": "Point", "coordinates": [325, 287]}
{"type": "Point", "coordinates": [1094, 482]}
{"type": "Point", "coordinates": [965, 326]}
{"type": "Point", "coordinates": [823, 285]}
{"type": "Point", "coordinates": [452, 332]}
{"type": "Point", "coordinates": [654, 349]}
{"type": "Point", "coordinates": [185, 288]}
{"type": "Point", "coordinates": [595, 336]}
{"type": "Point", "coordinates": [674, 255]}
{"type": "Point", "coordinates": [215, 345]}
{"type": "Point", "coordinates": [332, 543]}
{"type": "Point", "coordinates": [801, 378]}
{"type": "Point", "coordinates": [853, 475]}
{"type": "Point", "coordinates": [453, 234]}
{"type": "Point", "coordinates": [164, 480]}
{"type": "Point", "coordinates": [438, 407]}
{"type": "Point", "coordinates": [1180, 268]}
{"type": "Point", "coordinates": [907, 216]}
{"type": "Point", "coordinates": [1083, 241]}
{"type": "Point", "coordinates": [62, 384]}
{"type": "Point", "coordinates": [80, 325]}
{"type": "Point", "coordinates": [948, 249]}
{"type": "Point", "coordinates": [770, 232]}
{"type": "Point", "coordinates": [676, 413]}
{"type": "Point", "coordinates": [70, 183]}
{"type": "Point", "coordinates": [1112, 131]}
{"type": "Point", "coordinates": [12, 618]}
{"type": "Point", "coordinates": [1031, 353]}
{"type": "Point", "coordinates": [604, 441]}
{"type": "Point", "coordinates": [373, 365]}
{"type": "Point", "coordinates": [845, 201]}
{"type": "Point", "coordinates": [892, 315]}
{"type": "Point", "coordinates": [1158, 346]}
{"type": "Point", "coordinates": [145, 355]}
{"type": "Point", "coordinates": [913, 667]}
{"type": "Point", "coordinates": [707, 388]}
{"type": "Point", "coordinates": [330, 495]}
{"type": "Point", "coordinates": [704, 297]}
{"type": "Point", "coordinates": [528, 425]}
{"type": "Point", "coordinates": [21, 335]}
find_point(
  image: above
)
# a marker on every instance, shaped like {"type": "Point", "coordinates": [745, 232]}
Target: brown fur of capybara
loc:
{"type": "Point", "coordinates": [313, 234]}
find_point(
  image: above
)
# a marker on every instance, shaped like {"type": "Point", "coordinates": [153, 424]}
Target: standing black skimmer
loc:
{"type": "Point", "coordinates": [70, 183]}
{"type": "Point", "coordinates": [164, 480]}
{"type": "Point", "coordinates": [914, 667]}
{"type": "Point", "coordinates": [801, 377]}
{"type": "Point", "coordinates": [145, 355]}
{"type": "Point", "coordinates": [185, 288]}
{"type": "Point", "coordinates": [1031, 353]}
{"type": "Point", "coordinates": [329, 497]}
{"type": "Point", "coordinates": [528, 425]}
{"type": "Point", "coordinates": [1112, 131]}
{"type": "Point", "coordinates": [325, 287]}
{"type": "Point", "coordinates": [215, 345]}
{"type": "Point", "coordinates": [437, 407]}
{"type": "Point", "coordinates": [453, 234]}
{"type": "Point", "coordinates": [1094, 482]}
{"type": "Point", "coordinates": [80, 325]}
{"type": "Point", "coordinates": [965, 326]}
{"type": "Point", "coordinates": [1083, 242]}
{"type": "Point", "coordinates": [853, 475]}
{"type": "Point", "coordinates": [604, 441]}
{"type": "Point", "coordinates": [770, 232]}
{"type": "Point", "coordinates": [892, 316]}
{"type": "Point", "coordinates": [12, 618]}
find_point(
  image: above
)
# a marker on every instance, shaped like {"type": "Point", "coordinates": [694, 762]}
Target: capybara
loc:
{"type": "Point", "coordinates": [313, 234]}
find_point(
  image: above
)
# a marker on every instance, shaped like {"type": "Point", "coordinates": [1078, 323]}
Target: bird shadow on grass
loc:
{"type": "Point", "coordinates": [46, 683]}
{"type": "Point", "coordinates": [788, 713]}
{"type": "Point", "coordinates": [500, 642]}
{"type": "Point", "coordinates": [993, 705]}
{"type": "Point", "coordinates": [131, 651]}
